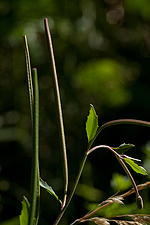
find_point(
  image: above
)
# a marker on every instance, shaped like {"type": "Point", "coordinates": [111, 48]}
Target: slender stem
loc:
{"type": "Point", "coordinates": [117, 122]}
{"type": "Point", "coordinates": [73, 190]}
{"type": "Point", "coordinates": [59, 110]}
{"type": "Point", "coordinates": [35, 160]}
{"type": "Point", "coordinates": [103, 146]}
{"type": "Point", "coordinates": [124, 121]}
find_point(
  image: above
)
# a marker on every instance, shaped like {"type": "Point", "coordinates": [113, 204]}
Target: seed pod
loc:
{"type": "Point", "coordinates": [139, 202]}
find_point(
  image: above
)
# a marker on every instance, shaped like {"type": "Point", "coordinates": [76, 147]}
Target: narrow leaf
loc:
{"type": "Point", "coordinates": [91, 124]}
{"type": "Point", "coordinates": [135, 167]}
{"type": "Point", "coordinates": [23, 218]}
{"type": "Point", "coordinates": [29, 74]}
{"type": "Point", "coordinates": [49, 189]}
{"type": "Point", "coordinates": [123, 148]}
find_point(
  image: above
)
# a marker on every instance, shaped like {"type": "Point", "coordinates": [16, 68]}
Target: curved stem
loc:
{"type": "Point", "coordinates": [117, 122]}
{"type": "Point", "coordinates": [124, 121]}
{"type": "Point", "coordinates": [103, 146]}
{"type": "Point", "coordinates": [139, 199]}
{"type": "Point", "coordinates": [130, 176]}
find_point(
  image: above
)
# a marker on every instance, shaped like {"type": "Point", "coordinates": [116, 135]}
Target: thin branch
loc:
{"type": "Point", "coordinates": [117, 122]}
{"type": "Point", "coordinates": [124, 121]}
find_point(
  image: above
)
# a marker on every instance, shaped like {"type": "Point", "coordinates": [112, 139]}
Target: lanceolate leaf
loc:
{"type": "Point", "coordinates": [123, 148]}
{"type": "Point", "coordinates": [49, 189]}
{"type": "Point", "coordinates": [24, 212]}
{"type": "Point", "coordinates": [91, 124]}
{"type": "Point", "coordinates": [135, 167]}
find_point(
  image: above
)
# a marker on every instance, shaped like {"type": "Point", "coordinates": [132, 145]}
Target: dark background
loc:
{"type": "Point", "coordinates": [102, 51]}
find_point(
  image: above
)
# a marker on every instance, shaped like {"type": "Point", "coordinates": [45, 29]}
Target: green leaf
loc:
{"type": "Point", "coordinates": [91, 124]}
{"type": "Point", "coordinates": [49, 189]}
{"type": "Point", "coordinates": [24, 212]}
{"type": "Point", "coordinates": [123, 148]}
{"type": "Point", "coordinates": [135, 167]}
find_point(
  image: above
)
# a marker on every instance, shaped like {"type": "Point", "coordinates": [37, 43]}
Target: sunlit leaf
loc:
{"type": "Point", "coordinates": [49, 189]}
{"type": "Point", "coordinates": [135, 167]}
{"type": "Point", "coordinates": [123, 148]}
{"type": "Point", "coordinates": [24, 212]}
{"type": "Point", "coordinates": [91, 124]}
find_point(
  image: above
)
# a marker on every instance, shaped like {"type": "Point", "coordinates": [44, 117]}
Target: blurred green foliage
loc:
{"type": "Point", "coordinates": [106, 80]}
{"type": "Point", "coordinates": [102, 51]}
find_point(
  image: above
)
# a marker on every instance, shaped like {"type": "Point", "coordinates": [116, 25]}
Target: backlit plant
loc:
{"type": "Point", "coordinates": [30, 209]}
